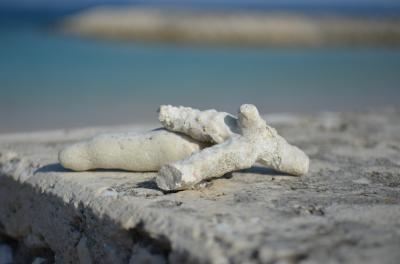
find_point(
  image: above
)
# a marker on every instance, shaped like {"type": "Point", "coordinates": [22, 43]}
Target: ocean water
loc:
{"type": "Point", "coordinates": [49, 80]}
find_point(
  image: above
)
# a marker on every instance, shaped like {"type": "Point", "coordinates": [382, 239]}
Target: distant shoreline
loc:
{"type": "Point", "coordinates": [243, 28]}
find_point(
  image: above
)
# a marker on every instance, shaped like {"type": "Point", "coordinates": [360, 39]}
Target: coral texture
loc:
{"type": "Point", "coordinates": [128, 151]}
{"type": "Point", "coordinates": [255, 142]}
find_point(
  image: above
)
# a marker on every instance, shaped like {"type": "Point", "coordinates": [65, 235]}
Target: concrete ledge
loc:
{"type": "Point", "coordinates": [346, 210]}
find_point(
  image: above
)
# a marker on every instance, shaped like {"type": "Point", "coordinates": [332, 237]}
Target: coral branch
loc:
{"type": "Point", "coordinates": [255, 142]}
{"type": "Point", "coordinates": [129, 151]}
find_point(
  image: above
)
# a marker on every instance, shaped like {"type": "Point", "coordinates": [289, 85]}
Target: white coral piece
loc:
{"type": "Point", "coordinates": [251, 140]}
{"type": "Point", "coordinates": [129, 151]}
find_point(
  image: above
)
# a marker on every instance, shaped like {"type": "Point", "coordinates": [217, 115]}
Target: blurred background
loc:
{"type": "Point", "coordinates": [66, 64]}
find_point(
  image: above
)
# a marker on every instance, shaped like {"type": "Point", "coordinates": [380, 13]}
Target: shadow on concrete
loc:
{"type": "Point", "coordinates": [149, 184]}
{"type": "Point", "coordinates": [54, 167]}
{"type": "Point", "coordinates": [263, 171]}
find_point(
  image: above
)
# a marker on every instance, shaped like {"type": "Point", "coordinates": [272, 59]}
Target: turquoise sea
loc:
{"type": "Point", "coordinates": [49, 80]}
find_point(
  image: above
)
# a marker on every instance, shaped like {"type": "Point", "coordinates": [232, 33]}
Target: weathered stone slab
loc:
{"type": "Point", "coordinates": [345, 210]}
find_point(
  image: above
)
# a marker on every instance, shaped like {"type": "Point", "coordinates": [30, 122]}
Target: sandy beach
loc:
{"type": "Point", "coordinates": [256, 28]}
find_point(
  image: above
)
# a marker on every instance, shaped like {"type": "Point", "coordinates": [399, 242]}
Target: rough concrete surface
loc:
{"type": "Point", "coordinates": [345, 210]}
